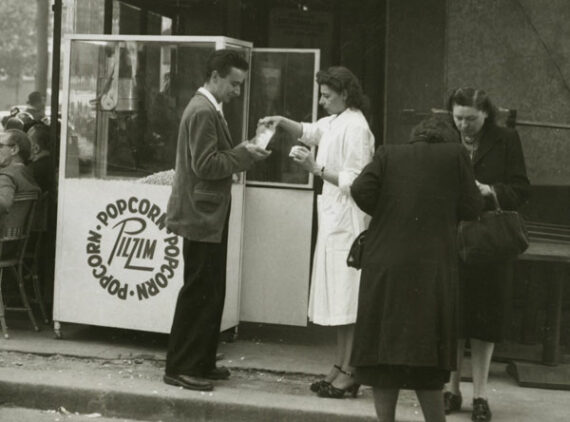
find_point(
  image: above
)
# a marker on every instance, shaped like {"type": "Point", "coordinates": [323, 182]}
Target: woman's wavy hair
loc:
{"type": "Point", "coordinates": [476, 98]}
{"type": "Point", "coordinates": [433, 129]}
{"type": "Point", "coordinates": [339, 79]}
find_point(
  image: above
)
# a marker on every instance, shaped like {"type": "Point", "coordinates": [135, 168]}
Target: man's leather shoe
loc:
{"type": "Point", "coordinates": [188, 382]}
{"type": "Point", "coordinates": [218, 373]}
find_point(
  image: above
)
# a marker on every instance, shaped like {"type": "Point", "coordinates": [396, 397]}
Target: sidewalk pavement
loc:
{"type": "Point", "coordinates": [118, 373]}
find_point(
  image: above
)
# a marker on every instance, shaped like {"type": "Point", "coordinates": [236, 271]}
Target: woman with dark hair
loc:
{"type": "Point", "coordinates": [346, 145]}
{"type": "Point", "coordinates": [406, 330]}
{"type": "Point", "coordinates": [499, 166]}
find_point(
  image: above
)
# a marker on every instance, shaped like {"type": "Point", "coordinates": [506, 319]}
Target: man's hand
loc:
{"type": "Point", "coordinates": [258, 153]}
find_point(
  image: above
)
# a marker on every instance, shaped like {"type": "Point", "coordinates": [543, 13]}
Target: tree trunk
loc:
{"type": "Point", "coordinates": [42, 18]}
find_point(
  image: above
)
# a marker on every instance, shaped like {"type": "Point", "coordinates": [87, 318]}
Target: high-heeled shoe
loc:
{"type": "Point", "coordinates": [317, 385]}
{"type": "Point", "coordinates": [330, 391]}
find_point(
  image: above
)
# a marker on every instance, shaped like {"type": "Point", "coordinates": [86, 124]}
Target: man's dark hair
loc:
{"type": "Point", "coordinates": [222, 61]}
{"type": "Point", "coordinates": [40, 133]}
{"type": "Point", "coordinates": [19, 137]}
{"type": "Point", "coordinates": [35, 97]}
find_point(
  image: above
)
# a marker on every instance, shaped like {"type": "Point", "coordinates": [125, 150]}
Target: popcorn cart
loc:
{"type": "Point", "coordinates": [117, 265]}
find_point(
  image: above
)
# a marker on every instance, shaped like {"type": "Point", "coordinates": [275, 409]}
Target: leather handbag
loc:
{"type": "Point", "coordinates": [354, 258]}
{"type": "Point", "coordinates": [496, 236]}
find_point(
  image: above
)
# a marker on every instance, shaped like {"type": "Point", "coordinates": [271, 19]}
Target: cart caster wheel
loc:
{"type": "Point", "coordinates": [232, 335]}
{"type": "Point", "coordinates": [57, 330]}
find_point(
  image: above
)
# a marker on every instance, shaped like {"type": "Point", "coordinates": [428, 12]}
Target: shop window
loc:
{"type": "Point", "coordinates": [125, 103]}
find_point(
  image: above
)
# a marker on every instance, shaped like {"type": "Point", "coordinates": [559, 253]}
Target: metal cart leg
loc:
{"type": "Point", "coordinates": [57, 330]}
{"type": "Point", "coordinates": [2, 310]}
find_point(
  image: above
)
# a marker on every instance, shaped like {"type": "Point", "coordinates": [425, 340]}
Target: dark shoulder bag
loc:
{"type": "Point", "coordinates": [496, 236]}
{"type": "Point", "coordinates": [354, 258]}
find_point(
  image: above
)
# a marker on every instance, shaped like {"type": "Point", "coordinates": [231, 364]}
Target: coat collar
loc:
{"type": "Point", "coordinates": [219, 115]}
{"type": "Point", "coordinates": [489, 138]}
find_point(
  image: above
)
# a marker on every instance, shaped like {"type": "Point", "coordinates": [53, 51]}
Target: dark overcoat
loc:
{"type": "Point", "coordinates": [407, 309]}
{"type": "Point", "coordinates": [499, 162]}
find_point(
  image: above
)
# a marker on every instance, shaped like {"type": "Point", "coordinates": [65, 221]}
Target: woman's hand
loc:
{"type": "Point", "coordinates": [270, 121]}
{"type": "Point", "coordinates": [303, 156]}
{"type": "Point", "coordinates": [486, 190]}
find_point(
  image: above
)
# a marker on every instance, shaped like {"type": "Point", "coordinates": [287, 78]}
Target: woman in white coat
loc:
{"type": "Point", "coordinates": [345, 145]}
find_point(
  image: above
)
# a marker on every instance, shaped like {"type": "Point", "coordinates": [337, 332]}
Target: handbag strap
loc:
{"type": "Point", "coordinates": [496, 200]}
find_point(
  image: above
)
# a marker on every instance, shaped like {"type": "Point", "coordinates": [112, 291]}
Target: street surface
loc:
{"type": "Point", "coordinates": [20, 414]}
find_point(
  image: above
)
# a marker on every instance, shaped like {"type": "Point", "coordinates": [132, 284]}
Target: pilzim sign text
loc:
{"type": "Point", "coordinates": [123, 242]}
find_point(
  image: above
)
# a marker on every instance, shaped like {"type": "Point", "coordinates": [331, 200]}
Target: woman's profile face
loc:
{"type": "Point", "coordinates": [332, 101]}
{"type": "Point", "coordinates": [468, 120]}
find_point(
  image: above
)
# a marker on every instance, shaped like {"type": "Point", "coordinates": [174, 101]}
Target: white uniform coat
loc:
{"type": "Point", "coordinates": [346, 145]}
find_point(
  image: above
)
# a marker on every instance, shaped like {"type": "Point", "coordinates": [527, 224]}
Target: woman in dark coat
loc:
{"type": "Point", "coordinates": [499, 167]}
{"type": "Point", "coordinates": [406, 333]}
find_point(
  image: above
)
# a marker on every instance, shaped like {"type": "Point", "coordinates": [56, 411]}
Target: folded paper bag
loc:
{"type": "Point", "coordinates": [263, 135]}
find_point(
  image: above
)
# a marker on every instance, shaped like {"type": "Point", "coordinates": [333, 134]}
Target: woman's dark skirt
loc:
{"type": "Point", "coordinates": [402, 377]}
{"type": "Point", "coordinates": [484, 291]}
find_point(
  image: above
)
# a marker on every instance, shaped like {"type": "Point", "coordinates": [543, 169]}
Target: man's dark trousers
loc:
{"type": "Point", "coordinates": [195, 329]}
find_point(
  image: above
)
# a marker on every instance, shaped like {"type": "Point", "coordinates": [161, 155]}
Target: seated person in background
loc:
{"type": "Point", "coordinates": [15, 177]}
{"type": "Point", "coordinates": [13, 123]}
{"type": "Point", "coordinates": [41, 164]}
{"type": "Point", "coordinates": [36, 106]}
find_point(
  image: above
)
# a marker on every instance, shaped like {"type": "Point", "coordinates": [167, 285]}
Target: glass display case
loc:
{"type": "Point", "coordinates": [116, 263]}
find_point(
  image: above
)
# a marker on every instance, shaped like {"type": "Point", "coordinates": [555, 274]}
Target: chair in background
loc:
{"type": "Point", "coordinates": [15, 230]}
{"type": "Point", "coordinates": [32, 257]}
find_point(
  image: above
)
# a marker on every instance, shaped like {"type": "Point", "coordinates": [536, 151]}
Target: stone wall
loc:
{"type": "Point", "coordinates": [518, 51]}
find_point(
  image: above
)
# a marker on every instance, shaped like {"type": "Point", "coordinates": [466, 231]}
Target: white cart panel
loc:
{"type": "Point", "coordinates": [118, 266]}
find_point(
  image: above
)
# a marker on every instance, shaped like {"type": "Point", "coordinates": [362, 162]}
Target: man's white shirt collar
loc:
{"type": "Point", "coordinates": [212, 99]}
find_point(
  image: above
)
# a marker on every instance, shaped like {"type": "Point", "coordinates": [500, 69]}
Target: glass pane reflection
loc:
{"type": "Point", "coordinates": [281, 84]}
{"type": "Point", "coordinates": [126, 99]}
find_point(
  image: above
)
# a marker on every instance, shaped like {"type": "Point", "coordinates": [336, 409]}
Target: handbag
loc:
{"type": "Point", "coordinates": [496, 236]}
{"type": "Point", "coordinates": [354, 258]}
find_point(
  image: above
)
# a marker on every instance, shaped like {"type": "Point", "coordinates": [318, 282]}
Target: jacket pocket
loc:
{"type": "Point", "coordinates": [207, 201]}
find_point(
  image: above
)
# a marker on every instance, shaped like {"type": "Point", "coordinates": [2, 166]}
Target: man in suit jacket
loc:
{"type": "Point", "coordinates": [198, 210]}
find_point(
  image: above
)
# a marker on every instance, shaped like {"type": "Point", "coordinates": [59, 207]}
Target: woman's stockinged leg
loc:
{"type": "Point", "coordinates": [344, 351]}
{"type": "Point", "coordinates": [385, 403]}
{"type": "Point", "coordinates": [339, 356]}
{"type": "Point", "coordinates": [348, 340]}
{"type": "Point", "coordinates": [455, 378]}
{"type": "Point", "coordinates": [481, 354]}
{"type": "Point", "coordinates": [431, 402]}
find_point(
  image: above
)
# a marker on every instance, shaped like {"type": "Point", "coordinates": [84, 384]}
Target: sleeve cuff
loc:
{"type": "Point", "coordinates": [308, 134]}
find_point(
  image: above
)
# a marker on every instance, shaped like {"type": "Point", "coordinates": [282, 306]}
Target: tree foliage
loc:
{"type": "Point", "coordinates": [18, 37]}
